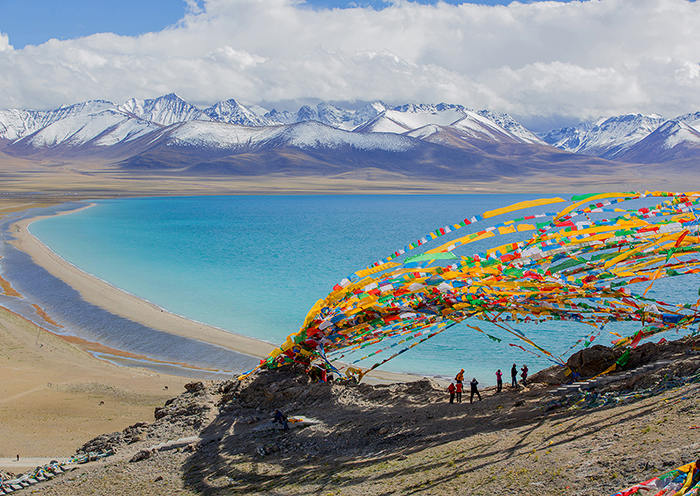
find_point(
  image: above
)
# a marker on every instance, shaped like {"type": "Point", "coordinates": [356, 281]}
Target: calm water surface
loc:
{"type": "Point", "coordinates": [256, 264]}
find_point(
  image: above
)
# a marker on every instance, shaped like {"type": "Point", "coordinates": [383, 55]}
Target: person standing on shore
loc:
{"type": "Point", "coordinates": [451, 390]}
{"type": "Point", "coordinates": [474, 390]}
{"type": "Point", "coordinates": [514, 376]}
{"type": "Point", "coordinates": [499, 381]}
{"type": "Point", "coordinates": [459, 390]}
{"type": "Point", "coordinates": [459, 378]}
{"type": "Point", "coordinates": [523, 374]}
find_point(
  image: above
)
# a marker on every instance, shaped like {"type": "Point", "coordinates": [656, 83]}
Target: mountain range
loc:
{"type": "Point", "coordinates": [636, 138]}
{"type": "Point", "coordinates": [442, 142]}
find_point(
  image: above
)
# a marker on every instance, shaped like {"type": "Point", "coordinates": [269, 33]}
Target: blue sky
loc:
{"type": "Point", "coordinates": [32, 22]}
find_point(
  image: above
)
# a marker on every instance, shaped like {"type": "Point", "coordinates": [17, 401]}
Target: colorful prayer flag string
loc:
{"type": "Point", "coordinates": [566, 265]}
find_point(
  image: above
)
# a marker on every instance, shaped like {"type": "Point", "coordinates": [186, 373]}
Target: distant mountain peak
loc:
{"type": "Point", "coordinates": [164, 110]}
{"type": "Point", "coordinates": [608, 137]}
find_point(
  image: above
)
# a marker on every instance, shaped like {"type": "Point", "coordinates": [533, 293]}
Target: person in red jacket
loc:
{"type": "Point", "coordinates": [459, 392]}
{"type": "Point", "coordinates": [451, 390]}
{"type": "Point", "coordinates": [523, 374]}
{"type": "Point", "coordinates": [499, 381]}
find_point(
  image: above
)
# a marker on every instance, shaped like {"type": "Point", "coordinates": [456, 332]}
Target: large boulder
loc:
{"type": "Point", "coordinates": [592, 361]}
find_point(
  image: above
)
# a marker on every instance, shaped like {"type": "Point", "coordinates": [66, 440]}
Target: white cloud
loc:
{"type": "Point", "coordinates": [4, 43]}
{"type": "Point", "coordinates": [580, 59]}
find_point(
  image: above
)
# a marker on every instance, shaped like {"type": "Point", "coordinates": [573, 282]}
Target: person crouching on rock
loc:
{"type": "Point", "coordinates": [523, 374]}
{"type": "Point", "coordinates": [475, 390]}
{"type": "Point", "coordinates": [451, 390]}
{"type": "Point", "coordinates": [281, 419]}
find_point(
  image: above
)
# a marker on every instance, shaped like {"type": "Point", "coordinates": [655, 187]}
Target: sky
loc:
{"type": "Point", "coordinates": [543, 61]}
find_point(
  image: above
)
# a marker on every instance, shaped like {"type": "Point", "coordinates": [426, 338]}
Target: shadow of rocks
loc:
{"type": "Point", "coordinates": [358, 426]}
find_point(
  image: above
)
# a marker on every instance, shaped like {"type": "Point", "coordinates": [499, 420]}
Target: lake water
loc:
{"type": "Point", "coordinates": [256, 264]}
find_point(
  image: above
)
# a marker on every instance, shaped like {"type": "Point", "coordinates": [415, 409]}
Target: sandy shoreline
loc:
{"type": "Point", "coordinates": [119, 302]}
{"type": "Point", "coordinates": [54, 395]}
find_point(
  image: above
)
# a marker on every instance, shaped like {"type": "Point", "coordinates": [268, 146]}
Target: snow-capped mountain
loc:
{"type": "Point", "coordinates": [428, 121]}
{"type": "Point", "coordinates": [331, 115]}
{"type": "Point", "coordinates": [165, 110]}
{"type": "Point", "coordinates": [633, 138]}
{"type": "Point", "coordinates": [606, 138]}
{"type": "Point", "coordinates": [82, 124]}
{"type": "Point", "coordinates": [16, 123]}
{"type": "Point", "coordinates": [313, 148]}
{"type": "Point", "coordinates": [170, 125]}
{"type": "Point", "coordinates": [409, 117]}
{"type": "Point", "coordinates": [568, 138]}
{"type": "Point", "coordinates": [672, 141]}
{"type": "Point", "coordinates": [302, 135]}
{"type": "Point", "coordinates": [96, 128]}
{"type": "Point", "coordinates": [232, 112]}
{"type": "Point", "coordinates": [692, 119]}
{"type": "Point", "coordinates": [511, 125]}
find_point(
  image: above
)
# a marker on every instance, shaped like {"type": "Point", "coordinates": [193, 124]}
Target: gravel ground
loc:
{"type": "Point", "coordinates": [399, 439]}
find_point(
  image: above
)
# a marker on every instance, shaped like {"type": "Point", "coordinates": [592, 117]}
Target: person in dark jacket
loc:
{"type": "Point", "coordinates": [451, 390]}
{"type": "Point", "coordinates": [475, 390]}
{"type": "Point", "coordinates": [499, 381]}
{"type": "Point", "coordinates": [514, 376]}
{"type": "Point", "coordinates": [281, 419]}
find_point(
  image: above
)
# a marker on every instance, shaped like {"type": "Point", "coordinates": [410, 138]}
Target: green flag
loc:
{"type": "Point", "coordinates": [447, 255]}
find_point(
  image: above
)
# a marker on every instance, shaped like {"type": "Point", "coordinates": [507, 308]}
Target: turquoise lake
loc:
{"type": "Point", "coordinates": [256, 264]}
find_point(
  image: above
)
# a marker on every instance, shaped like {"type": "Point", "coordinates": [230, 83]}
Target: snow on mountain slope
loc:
{"type": "Point", "coordinates": [281, 117]}
{"type": "Point", "coordinates": [232, 112]}
{"type": "Point", "coordinates": [672, 141]}
{"type": "Point", "coordinates": [165, 110]}
{"type": "Point", "coordinates": [170, 109]}
{"type": "Point", "coordinates": [692, 119]}
{"type": "Point", "coordinates": [675, 133]}
{"type": "Point", "coordinates": [304, 135]}
{"type": "Point", "coordinates": [15, 123]}
{"type": "Point", "coordinates": [409, 117]}
{"type": "Point", "coordinates": [316, 135]}
{"type": "Point", "coordinates": [329, 114]}
{"type": "Point", "coordinates": [217, 135]}
{"type": "Point", "coordinates": [229, 125]}
{"type": "Point", "coordinates": [568, 138]}
{"type": "Point", "coordinates": [427, 120]}
{"type": "Point", "coordinates": [347, 119]}
{"type": "Point", "coordinates": [425, 132]}
{"type": "Point", "coordinates": [511, 125]}
{"type": "Point", "coordinates": [482, 128]}
{"type": "Point", "coordinates": [103, 128]}
{"type": "Point", "coordinates": [607, 138]}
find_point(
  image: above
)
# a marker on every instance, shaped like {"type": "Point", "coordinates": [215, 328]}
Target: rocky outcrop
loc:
{"type": "Point", "coordinates": [592, 361]}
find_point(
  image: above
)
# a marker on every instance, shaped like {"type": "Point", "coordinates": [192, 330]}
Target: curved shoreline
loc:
{"type": "Point", "coordinates": [119, 302]}
{"type": "Point", "coordinates": [124, 304]}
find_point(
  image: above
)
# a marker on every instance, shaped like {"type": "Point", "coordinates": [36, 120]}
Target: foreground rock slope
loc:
{"type": "Point", "coordinates": [219, 438]}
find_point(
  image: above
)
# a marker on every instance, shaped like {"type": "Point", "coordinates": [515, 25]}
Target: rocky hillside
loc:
{"type": "Point", "coordinates": [219, 438]}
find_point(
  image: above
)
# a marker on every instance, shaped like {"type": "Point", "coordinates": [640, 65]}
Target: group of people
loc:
{"type": "Point", "coordinates": [455, 388]}
{"type": "Point", "coordinates": [456, 391]}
